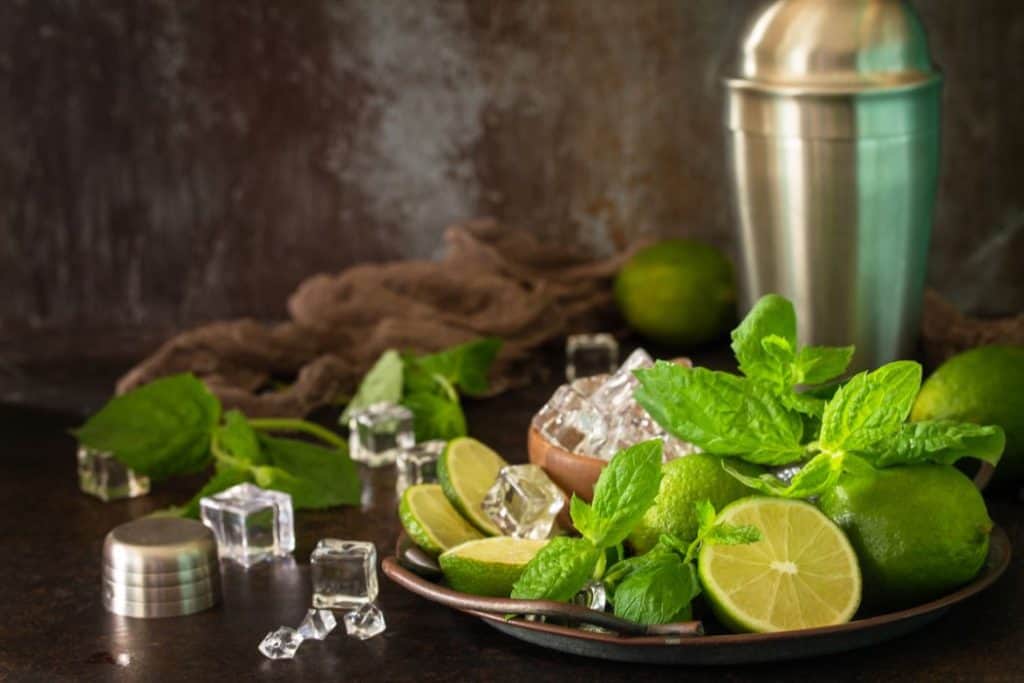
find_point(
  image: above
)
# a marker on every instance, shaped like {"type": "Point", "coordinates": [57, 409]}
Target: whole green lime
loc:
{"type": "Point", "coordinates": [919, 531]}
{"type": "Point", "coordinates": [678, 292]}
{"type": "Point", "coordinates": [684, 482]}
{"type": "Point", "coordinates": [984, 386]}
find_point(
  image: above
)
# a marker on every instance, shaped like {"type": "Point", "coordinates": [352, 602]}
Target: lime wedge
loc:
{"type": "Point", "coordinates": [803, 572]}
{"type": "Point", "coordinates": [431, 521]}
{"type": "Point", "coordinates": [466, 470]}
{"type": "Point", "coordinates": [489, 566]}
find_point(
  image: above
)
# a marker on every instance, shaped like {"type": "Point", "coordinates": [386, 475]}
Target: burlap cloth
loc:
{"type": "Point", "coordinates": [492, 282]}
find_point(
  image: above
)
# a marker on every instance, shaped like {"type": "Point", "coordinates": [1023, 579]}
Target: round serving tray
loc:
{"type": "Point", "coordinates": [681, 643]}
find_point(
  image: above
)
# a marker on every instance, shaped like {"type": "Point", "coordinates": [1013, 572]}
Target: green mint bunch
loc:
{"type": "Point", "coordinates": [429, 386]}
{"type": "Point", "coordinates": [763, 418]}
{"type": "Point", "coordinates": [659, 586]}
{"type": "Point", "coordinates": [654, 588]}
{"type": "Point", "coordinates": [175, 426]}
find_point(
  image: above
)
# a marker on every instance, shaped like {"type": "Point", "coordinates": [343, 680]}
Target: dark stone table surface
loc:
{"type": "Point", "coordinates": [54, 627]}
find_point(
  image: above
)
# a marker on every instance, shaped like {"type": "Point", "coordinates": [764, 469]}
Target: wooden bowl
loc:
{"type": "Point", "coordinates": [574, 473]}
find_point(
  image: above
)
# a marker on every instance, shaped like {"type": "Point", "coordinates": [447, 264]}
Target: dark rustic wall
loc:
{"type": "Point", "coordinates": [167, 162]}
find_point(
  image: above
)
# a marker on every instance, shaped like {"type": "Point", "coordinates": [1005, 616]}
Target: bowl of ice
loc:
{"type": "Point", "coordinates": [587, 421]}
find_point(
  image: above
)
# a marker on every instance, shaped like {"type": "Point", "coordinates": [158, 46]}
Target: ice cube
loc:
{"type": "Point", "coordinates": [102, 475]}
{"type": "Point", "coordinates": [281, 644]}
{"type": "Point", "coordinates": [251, 524]}
{"type": "Point", "coordinates": [615, 394]}
{"type": "Point", "coordinates": [379, 432]}
{"type": "Point", "coordinates": [524, 502]}
{"type": "Point", "coordinates": [365, 622]}
{"type": "Point", "coordinates": [317, 624]}
{"type": "Point", "coordinates": [417, 465]}
{"type": "Point", "coordinates": [344, 573]}
{"type": "Point", "coordinates": [677, 448]}
{"type": "Point", "coordinates": [592, 596]}
{"type": "Point", "coordinates": [590, 354]}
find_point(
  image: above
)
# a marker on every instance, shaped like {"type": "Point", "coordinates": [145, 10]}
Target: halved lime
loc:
{"type": "Point", "coordinates": [466, 470]}
{"type": "Point", "coordinates": [431, 521]}
{"type": "Point", "coordinates": [803, 572]}
{"type": "Point", "coordinates": [489, 566]}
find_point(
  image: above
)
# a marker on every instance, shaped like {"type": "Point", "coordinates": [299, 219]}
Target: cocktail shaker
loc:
{"type": "Point", "coordinates": [833, 126]}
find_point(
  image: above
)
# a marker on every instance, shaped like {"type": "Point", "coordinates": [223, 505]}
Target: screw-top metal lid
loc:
{"type": "Point", "coordinates": [160, 567]}
{"type": "Point", "coordinates": [836, 45]}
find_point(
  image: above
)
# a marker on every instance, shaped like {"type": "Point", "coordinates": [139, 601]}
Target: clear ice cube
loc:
{"type": "Point", "coordinates": [677, 448]}
{"type": "Point", "coordinates": [317, 624]}
{"type": "Point", "coordinates": [616, 393]}
{"type": "Point", "coordinates": [102, 475]}
{"type": "Point", "coordinates": [379, 432]}
{"type": "Point", "coordinates": [251, 524]}
{"type": "Point", "coordinates": [365, 622]}
{"type": "Point", "coordinates": [344, 573]}
{"type": "Point", "coordinates": [590, 354]}
{"type": "Point", "coordinates": [281, 644]}
{"type": "Point", "coordinates": [523, 502]}
{"type": "Point", "coordinates": [417, 465]}
{"type": "Point", "coordinates": [592, 596]}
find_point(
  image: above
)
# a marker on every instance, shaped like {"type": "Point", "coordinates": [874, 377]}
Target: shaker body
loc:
{"type": "Point", "coordinates": [838, 223]}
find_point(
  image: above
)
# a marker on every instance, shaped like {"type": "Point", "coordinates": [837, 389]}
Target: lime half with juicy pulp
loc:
{"type": "Point", "coordinates": [466, 470]}
{"type": "Point", "coordinates": [431, 521]}
{"type": "Point", "coordinates": [488, 566]}
{"type": "Point", "coordinates": [803, 572]}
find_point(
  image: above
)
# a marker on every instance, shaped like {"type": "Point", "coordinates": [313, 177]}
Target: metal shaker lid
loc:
{"type": "Point", "coordinates": [159, 545]}
{"type": "Point", "coordinates": [835, 46]}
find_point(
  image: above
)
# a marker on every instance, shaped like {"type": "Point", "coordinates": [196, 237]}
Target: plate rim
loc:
{"type": "Point", "coordinates": [996, 562]}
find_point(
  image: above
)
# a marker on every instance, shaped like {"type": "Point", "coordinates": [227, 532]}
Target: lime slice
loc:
{"type": "Point", "coordinates": [431, 521]}
{"type": "Point", "coordinates": [466, 470]}
{"type": "Point", "coordinates": [803, 572]}
{"type": "Point", "coordinates": [489, 566]}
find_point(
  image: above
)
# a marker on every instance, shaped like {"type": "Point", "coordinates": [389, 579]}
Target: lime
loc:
{"type": "Point", "coordinates": [431, 521]}
{"type": "Point", "coordinates": [466, 470]}
{"type": "Point", "coordinates": [984, 386]}
{"type": "Point", "coordinates": [677, 292]}
{"type": "Point", "coordinates": [488, 566]}
{"type": "Point", "coordinates": [801, 574]}
{"type": "Point", "coordinates": [684, 482]}
{"type": "Point", "coordinates": [919, 531]}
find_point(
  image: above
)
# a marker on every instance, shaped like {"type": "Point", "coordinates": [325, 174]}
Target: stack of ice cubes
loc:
{"type": "Point", "coordinates": [598, 416]}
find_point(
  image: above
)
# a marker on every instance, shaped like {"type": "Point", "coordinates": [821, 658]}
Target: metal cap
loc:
{"type": "Point", "coordinates": [160, 567]}
{"type": "Point", "coordinates": [835, 45]}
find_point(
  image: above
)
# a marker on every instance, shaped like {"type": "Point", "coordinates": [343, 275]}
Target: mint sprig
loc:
{"type": "Point", "coordinates": [836, 429]}
{"type": "Point", "coordinates": [173, 426]}
{"type": "Point", "coordinates": [428, 385]}
{"type": "Point", "coordinates": [626, 488]}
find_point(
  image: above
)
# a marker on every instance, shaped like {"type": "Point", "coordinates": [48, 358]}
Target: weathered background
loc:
{"type": "Point", "coordinates": [169, 162]}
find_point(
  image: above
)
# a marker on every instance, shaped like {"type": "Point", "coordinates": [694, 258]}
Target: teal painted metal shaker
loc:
{"type": "Point", "coordinates": [833, 123]}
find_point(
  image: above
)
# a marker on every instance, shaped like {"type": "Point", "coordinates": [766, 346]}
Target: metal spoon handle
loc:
{"type": "Point", "coordinates": [545, 608]}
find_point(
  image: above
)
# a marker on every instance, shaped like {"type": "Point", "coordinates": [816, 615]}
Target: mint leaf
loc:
{"type": "Point", "coordinates": [316, 477]}
{"type": "Point", "coordinates": [817, 364]}
{"type": "Point", "coordinates": [382, 383]}
{"type": "Point", "coordinates": [221, 480]}
{"type": "Point", "coordinates": [626, 488]}
{"type": "Point", "coordinates": [658, 593]}
{"type": "Point", "coordinates": [772, 316]}
{"type": "Point", "coordinates": [817, 476]}
{"type": "Point", "coordinates": [160, 429]}
{"type": "Point", "coordinates": [582, 516]}
{"type": "Point", "coordinates": [722, 413]}
{"type": "Point", "coordinates": [435, 417]}
{"type": "Point", "coordinates": [705, 514]}
{"type": "Point", "coordinates": [238, 438]}
{"type": "Point", "coordinates": [732, 534]}
{"type": "Point", "coordinates": [870, 406]}
{"type": "Point", "coordinates": [465, 366]}
{"type": "Point", "coordinates": [558, 571]}
{"type": "Point", "coordinates": [939, 441]}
